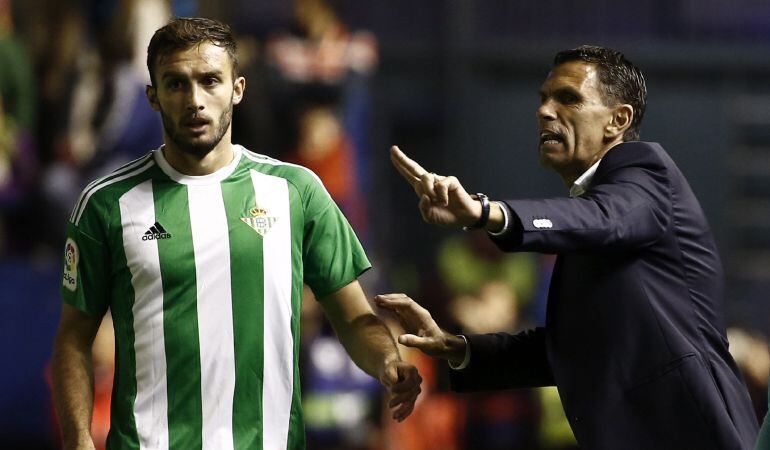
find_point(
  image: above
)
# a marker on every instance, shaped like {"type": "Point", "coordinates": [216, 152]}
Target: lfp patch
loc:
{"type": "Point", "coordinates": [71, 256]}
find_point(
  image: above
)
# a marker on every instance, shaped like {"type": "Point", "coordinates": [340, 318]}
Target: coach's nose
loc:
{"type": "Point", "coordinates": [546, 111]}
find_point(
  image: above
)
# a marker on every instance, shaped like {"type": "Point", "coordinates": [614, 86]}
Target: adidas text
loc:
{"type": "Point", "coordinates": [153, 236]}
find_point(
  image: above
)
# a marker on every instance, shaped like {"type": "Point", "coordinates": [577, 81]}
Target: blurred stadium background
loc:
{"type": "Point", "coordinates": [331, 84]}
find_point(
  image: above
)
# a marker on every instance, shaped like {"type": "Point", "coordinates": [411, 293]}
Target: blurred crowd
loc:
{"type": "Point", "coordinates": [72, 108]}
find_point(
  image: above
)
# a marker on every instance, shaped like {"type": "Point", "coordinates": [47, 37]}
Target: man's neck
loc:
{"type": "Point", "coordinates": [194, 165]}
{"type": "Point", "coordinates": [569, 177]}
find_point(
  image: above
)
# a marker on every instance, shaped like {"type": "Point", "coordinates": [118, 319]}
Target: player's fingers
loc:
{"type": "Point", "coordinates": [403, 411]}
{"type": "Point", "coordinates": [409, 384]}
{"type": "Point", "coordinates": [404, 397]}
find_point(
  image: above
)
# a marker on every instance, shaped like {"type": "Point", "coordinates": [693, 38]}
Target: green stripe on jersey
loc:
{"type": "Point", "coordinates": [248, 318]}
{"type": "Point", "coordinates": [180, 317]}
{"type": "Point", "coordinates": [123, 434]}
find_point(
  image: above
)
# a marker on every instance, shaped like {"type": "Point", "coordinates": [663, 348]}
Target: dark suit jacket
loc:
{"type": "Point", "coordinates": [634, 337]}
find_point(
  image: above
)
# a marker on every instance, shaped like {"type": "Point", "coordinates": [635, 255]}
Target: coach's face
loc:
{"type": "Point", "coordinates": [576, 128]}
{"type": "Point", "coordinates": [195, 93]}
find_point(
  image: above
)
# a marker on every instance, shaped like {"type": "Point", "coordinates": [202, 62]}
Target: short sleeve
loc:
{"type": "Point", "coordinates": [332, 254]}
{"type": "Point", "coordinates": [86, 269]}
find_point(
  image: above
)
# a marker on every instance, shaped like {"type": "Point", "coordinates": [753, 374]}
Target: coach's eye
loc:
{"type": "Point", "coordinates": [568, 98]}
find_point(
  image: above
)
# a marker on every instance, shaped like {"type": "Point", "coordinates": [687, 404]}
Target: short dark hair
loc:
{"type": "Point", "coordinates": [185, 32]}
{"type": "Point", "coordinates": [622, 82]}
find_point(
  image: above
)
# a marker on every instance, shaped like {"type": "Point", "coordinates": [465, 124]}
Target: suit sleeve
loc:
{"type": "Point", "coordinates": [628, 208]}
{"type": "Point", "coordinates": [504, 361]}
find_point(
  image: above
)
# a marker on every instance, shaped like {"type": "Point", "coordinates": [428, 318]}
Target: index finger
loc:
{"type": "Point", "coordinates": [407, 167]}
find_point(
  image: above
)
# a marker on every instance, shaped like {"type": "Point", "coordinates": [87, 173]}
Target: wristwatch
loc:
{"type": "Point", "coordinates": [482, 222]}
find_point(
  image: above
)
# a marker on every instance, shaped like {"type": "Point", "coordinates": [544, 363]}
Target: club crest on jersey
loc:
{"type": "Point", "coordinates": [259, 221]}
{"type": "Point", "coordinates": [71, 256]}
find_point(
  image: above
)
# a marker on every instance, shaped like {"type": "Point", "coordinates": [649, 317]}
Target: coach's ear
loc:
{"type": "Point", "coordinates": [152, 97]}
{"type": "Point", "coordinates": [620, 121]}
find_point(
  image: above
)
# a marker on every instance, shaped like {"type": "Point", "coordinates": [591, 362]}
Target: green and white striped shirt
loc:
{"type": "Point", "coordinates": [203, 276]}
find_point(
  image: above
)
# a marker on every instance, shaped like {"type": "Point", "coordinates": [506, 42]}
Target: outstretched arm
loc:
{"type": "Point", "coordinates": [497, 360]}
{"type": "Point", "coordinates": [422, 332]}
{"type": "Point", "coordinates": [370, 345]}
{"type": "Point", "coordinates": [73, 376]}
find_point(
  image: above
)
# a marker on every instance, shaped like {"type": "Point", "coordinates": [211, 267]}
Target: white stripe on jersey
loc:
{"type": "Point", "coordinates": [215, 313]}
{"type": "Point", "coordinates": [137, 206]}
{"type": "Point", "coordinates": [272, 194]}
{"type": "Point", "coordinates": [149, 163]}
{"type": "Point", "coordinates": [118, 171]}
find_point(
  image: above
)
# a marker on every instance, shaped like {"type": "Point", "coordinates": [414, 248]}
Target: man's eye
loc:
{"type": "Point", "coordinates": [174, 84]}
{"type": "Point", "coordinates": [210, 81]}
{"type": "Point", "coordinates": [569, 99]}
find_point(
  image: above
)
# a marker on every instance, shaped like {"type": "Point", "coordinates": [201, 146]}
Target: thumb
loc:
{"type": "Point", "coordinates": [410, 340]}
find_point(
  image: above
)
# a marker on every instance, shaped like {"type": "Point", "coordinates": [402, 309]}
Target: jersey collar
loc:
{"type": "Point", "coordinates": [211, 178]}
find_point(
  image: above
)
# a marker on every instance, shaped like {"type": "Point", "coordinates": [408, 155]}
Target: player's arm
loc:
{"type": "Point", "coordinates": [371, 346]}
{"type": "Point", "coordinates": [73, 376]}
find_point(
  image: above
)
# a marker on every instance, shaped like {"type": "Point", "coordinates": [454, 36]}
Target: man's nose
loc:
{"type": "Point", "coordinates": [194, 100]}
{"type": "Point", "coordinates": [546, 111]}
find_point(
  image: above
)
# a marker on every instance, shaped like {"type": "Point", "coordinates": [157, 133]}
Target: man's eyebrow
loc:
{"type": "Point", "coordinates": [171, 74]}
{"type": "Point", "coordinates": [212, 73]}
{"type": "Point", "coordinates": [567, 90]}
{"type": "Point", "coordinates": [174, 74]}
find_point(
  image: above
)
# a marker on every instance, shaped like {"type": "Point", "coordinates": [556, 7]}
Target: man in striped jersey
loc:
{"type": "Point", "coordinates": [199, 250]}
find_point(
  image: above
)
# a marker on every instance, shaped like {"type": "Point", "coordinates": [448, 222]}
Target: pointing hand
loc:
{"type": "Point", "coordinates": [443, 200]}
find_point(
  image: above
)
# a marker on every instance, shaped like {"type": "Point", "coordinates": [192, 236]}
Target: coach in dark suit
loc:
{"type": "Point", "coordinates": [634, 338]}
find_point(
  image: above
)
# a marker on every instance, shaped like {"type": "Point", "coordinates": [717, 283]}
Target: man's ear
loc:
{"type": "Point", "coordinates": [621, 119]}
{"type": "Point", "coordinates": [152, 97]}
{"type": "Point", "coordinates": [239, 87]}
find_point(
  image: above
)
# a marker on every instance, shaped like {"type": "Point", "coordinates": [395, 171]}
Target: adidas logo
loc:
{"type": "Point", "coordinates": [156, 232]}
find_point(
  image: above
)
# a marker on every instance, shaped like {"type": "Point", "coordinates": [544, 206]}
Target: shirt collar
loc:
{"type": "Point", "coordinates": [214, 177]}
{"type": "Point", "coordinates": [580, 186]}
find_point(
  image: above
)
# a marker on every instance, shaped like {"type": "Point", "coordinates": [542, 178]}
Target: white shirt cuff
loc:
{"type": "Point", "coordinates": [505, 220]}
{"type": "Point", "coordinates": [466, 360]}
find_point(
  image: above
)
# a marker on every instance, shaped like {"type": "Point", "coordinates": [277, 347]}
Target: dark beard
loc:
{"type": "Point", "coordinates": [202, 148]}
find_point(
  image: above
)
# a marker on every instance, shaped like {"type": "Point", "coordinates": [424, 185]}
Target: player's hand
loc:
{"type": "Point", "coordinates": [422, 332]}
{"type": "Point", "coordinates": [402, 381]}
{"type": "Point", "coordinates": [443, 200]}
